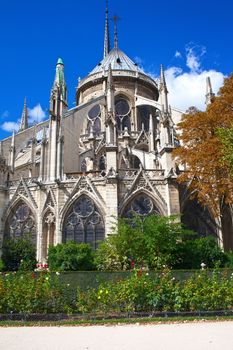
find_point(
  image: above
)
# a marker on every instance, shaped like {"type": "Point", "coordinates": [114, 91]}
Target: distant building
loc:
{"type": "Point", "coordinates": [70, 177]}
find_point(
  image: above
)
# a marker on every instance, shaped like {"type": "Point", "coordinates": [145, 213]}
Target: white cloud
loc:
{"type": "Point", "coordinates": [177, 54]}
{"type": "Point", "coordinates": [36, 114]}
{"type": "Point", "coordinates": [5, 115]}
{"type": "Point", "coordinates": [10, 126]}
{"type": "Point", "coordinates": [193, 57]}
{"type": "Point", "coordinates": [189, 88]}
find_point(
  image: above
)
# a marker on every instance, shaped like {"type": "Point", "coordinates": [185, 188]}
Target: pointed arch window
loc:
{"type": "Point", "coordinates": [84, 223]}
{"type": "Point", "coordinates": [21, 221]}
{"type": "Point", "coordinates": [141, 205]}
{"type": "Point", "coordinates": [122, 109]}
{"type": "Point", "coordinates": [94, 120]}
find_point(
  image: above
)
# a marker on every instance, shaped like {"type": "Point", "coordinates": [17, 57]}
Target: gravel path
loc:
{"type": "Point", "coordinates": [198, 336]}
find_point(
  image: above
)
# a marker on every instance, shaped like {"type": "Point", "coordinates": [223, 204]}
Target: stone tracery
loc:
{"type": "Point", "coordinates": [21, 221]}
{"type": "Point", "coordinates": [84, 223]}
{"type": "Point", "coordinates": [141, 205]}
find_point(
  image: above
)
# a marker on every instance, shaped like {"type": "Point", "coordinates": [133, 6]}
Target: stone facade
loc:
{"type": "Point", "coordinates": [72, 176]}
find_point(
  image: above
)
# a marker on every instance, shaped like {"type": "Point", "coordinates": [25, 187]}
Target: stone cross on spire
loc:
{"type": "Point", "coordinates": [106, 33]}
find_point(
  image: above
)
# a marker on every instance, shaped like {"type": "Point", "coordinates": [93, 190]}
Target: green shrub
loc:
{"type": "Point", "coordinates": [190, 254]}
{"type": "Point", "coordinates": [43, 292]}
{"type": "Point", "coordinates": [141, 292]}
{"type": "Point", "coordinates": [122, 249]}
{"type": "Point", "coordinates": [71, 256]}
{"type": "Point", "coordinates": [2, 266]}
{"type": "Point", "coordinates": [34, 293]}
{"type": "Point", "coordinates": [150, 243]}
{"type": "Point", "coordinates": [229, 261]}
{"type": "Point", "coordinates": [155, 242]}
{"type": "Point", "coordinates": [19, 254]}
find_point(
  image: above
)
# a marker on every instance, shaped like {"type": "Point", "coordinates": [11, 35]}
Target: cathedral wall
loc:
{"type": "Point", "coordinates": [18, 173]}
{"type": "Point", "coordinates": [73, 125]}
{"type": "Point", "coordinates": [174, 199]}
{"type": "Point", "coordinates": [146, 92]}
{"type": "Point", "coordinates": [3, 205]}
{"type": "Point", "coordinates": [92, 92]}
{"type": "Point", "coordinates": [21, 139]}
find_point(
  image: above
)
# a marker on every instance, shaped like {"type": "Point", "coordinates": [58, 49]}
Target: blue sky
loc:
{"type": "Point", "coordinates": [192, 39]}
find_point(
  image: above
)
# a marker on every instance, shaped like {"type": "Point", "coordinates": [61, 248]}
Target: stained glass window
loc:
{"type": "Point", "coordinates": [20, 222]}
{"type": "Point", "coordinates": [122, 115]}
{"type": "Point", "coordinates": [84, 223]}
{"type": "Point", "coordinates": [94, 117]}
{"type": "Point", "coordinates": [141, 205]}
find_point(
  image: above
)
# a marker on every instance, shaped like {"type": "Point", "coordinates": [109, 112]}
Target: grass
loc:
{"type": "Point", "coordinates": [114, 322]}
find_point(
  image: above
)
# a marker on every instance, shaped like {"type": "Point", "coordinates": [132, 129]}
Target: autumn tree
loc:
{"type": "Point", "coordinates": [226, 137]}
{"type": "Point", "coordinates": [201, 154]}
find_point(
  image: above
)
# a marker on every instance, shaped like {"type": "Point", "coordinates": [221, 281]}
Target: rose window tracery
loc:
{"type": "Point", "coordinates": [84, 223]}
{"type": "Point", "coordinates": [20, 222]}
{"type": "Point", "coordinates": [141, 205]}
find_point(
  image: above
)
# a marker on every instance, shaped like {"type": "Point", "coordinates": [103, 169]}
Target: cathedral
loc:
{"type": "Point", "coordinates": [70, 177]}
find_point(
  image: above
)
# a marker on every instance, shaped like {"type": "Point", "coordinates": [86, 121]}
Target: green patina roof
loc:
{"type": "Point", "coordinates": [60, 77]}
{"type": "Point", "coordinates": [59, 61]}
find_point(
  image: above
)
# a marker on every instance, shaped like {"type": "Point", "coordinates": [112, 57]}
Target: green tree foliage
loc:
{"type": "Point", "coordinates": [154, 243]}
{"type": "Point", "coordinates": [19, 254]}
{"type": "Point", "coordinates": [71, 256]}
{"type": "Point", "coordinates": [191, 253]}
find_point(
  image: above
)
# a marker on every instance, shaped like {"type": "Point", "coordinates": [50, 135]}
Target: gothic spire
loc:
{"type": "Point", "coordinates": [209, 92]}
{"type": "Point", "coordinates": [115, 20]}
{"type": "Point", "coordinates": [59, 80]}
{"type": "Point", "coordinates": [163, 90]}
{"type": "Point", "coordinates": [24, 117]}
{"type": "Point", "coordinates": [163, 85]}
{"type": "Point", "coordinates": [106, 33]}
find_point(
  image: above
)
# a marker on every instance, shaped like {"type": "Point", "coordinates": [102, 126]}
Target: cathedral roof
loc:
{"type": "Point", "coordinates": [118, 61]}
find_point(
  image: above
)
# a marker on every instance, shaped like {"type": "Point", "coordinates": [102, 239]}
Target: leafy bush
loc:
{"type": "Point", "coordinates": [120, 250]}
{"type": "Point", "coordinates": [34, 293]}
{"type": "Point", "coordinates": [71, 256]}
{"type": "Point", "coordinates": [229, 260]}
{"type": "Point", "coordinates": [44, 292]}
{"type": "Point", "coordinates": [19, 254]}
{"type": "Point", "coordinates": [190, 254]}
{"type": "Point", "coordinates": [140, 292]}
{"type": "Point", "coordinates": [150, 243]}
{"type": "Point", "coordinates": [156, 242]}
{"type": "Point", "coordinates": [2, 266]}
